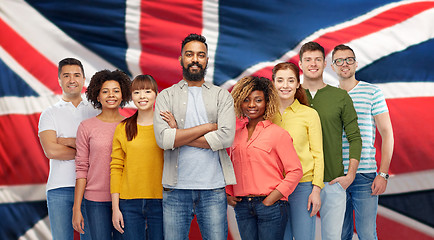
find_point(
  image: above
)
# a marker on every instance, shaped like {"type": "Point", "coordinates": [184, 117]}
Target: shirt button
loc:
{"type": "Point", "coordinates": [311, 105]}
{"type": "Point", "coordinates": [182, 120]}
{"type": "Point", "coordinates": [185, 103]}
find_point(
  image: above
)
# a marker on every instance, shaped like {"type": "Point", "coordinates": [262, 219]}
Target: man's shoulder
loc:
{"type": "Point", "coordinates": [369, 86]}
{"type": "Point", "coordinates": [174, 87]}
{"type": "Point", "coordinates": [336, 90]}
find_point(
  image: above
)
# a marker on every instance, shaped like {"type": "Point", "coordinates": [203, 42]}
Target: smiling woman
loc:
{"type": "Point", "coordinates": [107, 91]}
{"type": "Point", "coordinates": [265, 162]}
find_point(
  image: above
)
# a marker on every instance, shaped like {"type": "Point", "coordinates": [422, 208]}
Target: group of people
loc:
{"type": "Point", "coordinates": [277, 151]}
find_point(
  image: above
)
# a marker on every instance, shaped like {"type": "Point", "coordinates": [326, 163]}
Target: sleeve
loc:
{"type": "Point", "coordinates": [224, 136]}
{"type": "Point", "coordinates": [164, 135]}
{"type": "Point", "coordinates": [82, 155]}
{"type": "Point", "coordinates": [118, 157]}
{"type": "Point", "coordinates": [316, 148]}
{"type": "Point", "coordinates": [378, 102]}
{"type": "Point", "coordinates": [46, 121]}
{"type": "Point", "coordinates": [291, 163]}
{"type": "Point", "coordinates": [351, 127]}
{"type": "Point", "coordinates": [230, 190]}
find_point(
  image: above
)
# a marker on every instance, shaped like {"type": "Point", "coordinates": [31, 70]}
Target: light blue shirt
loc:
{"type": "Point", "coordinates": [368, 101]}
{"type": "Point", "coordinates": [199, 168]}
{"type": "Point", "coordinates": [219, 107]}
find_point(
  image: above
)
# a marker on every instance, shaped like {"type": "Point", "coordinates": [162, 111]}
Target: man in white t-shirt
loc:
{"type": "Point", "coordinates": [57, 131]}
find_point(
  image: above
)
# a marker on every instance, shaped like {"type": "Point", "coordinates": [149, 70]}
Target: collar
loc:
{"type": "Point", "coordinates": [264, 123]}
{"type": "Point", "coordinates": [295, 106]}
{"type": "Point", "coordinates": [184, 83]}
{"type": "Point", "coordinates": [83, 102]}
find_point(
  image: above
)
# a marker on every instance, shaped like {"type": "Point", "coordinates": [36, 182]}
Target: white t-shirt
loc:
{"type": "Point", "coordinates": [64, 119]}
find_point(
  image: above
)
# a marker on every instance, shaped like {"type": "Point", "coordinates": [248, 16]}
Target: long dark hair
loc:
{"type": "Point", "coordinates": [139, 82]}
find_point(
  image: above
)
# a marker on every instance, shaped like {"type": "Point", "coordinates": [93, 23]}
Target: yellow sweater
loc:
{"type": "Point", "coordinates": [304, 126]}
{"type": "Point", "coordinates": [136, 168]}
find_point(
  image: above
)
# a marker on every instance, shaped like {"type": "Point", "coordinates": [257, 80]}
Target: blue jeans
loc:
{"type": "Point", "coordinates": [99, 215]}
{"type": "Point", "coordinates": [300, 224]}
{"type": "Point", "coordinates": [59, 204]}
{"type": "Point", "coordinates": [257, 221]}
{"type": "Point", "coordinates": [364, 204]}
{"type": "Point", "coordinates": [143, 218]}
{"type": "Point", "coordinates": [210, 207]}
{"type": "Point", "coordinates": [332, 211]}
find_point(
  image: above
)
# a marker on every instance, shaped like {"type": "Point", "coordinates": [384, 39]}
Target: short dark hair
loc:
{"type": "Point", "coordinates": [69, 61]}
{"type": "Point", "coordinates": [194, 37]}
{"type": "Point", "coordinates": [342, 47]}
{"type": "Point", "coordinates": [311, 46]}
{"type": "Point", "coordinates": [98, 80]}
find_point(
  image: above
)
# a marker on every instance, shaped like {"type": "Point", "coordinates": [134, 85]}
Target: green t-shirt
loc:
{"type": "Point", "coordinates": [336, 112]}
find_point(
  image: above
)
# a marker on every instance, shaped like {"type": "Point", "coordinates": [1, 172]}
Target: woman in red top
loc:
{"type": "Point", "coordinates": [266, 165]}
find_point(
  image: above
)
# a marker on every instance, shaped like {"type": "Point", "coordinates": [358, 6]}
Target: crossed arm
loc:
{"type": "Point", "coordinates": [190, 136]}
{"type": "Point", "coordinates": [57, 148]}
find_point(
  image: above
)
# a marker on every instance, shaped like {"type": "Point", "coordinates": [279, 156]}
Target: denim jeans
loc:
{"type": "Point", "coordinates": [332, 211]}
{"type": "Point", "coordinates": [59, 204]}
{"type": "Point", "coordinates": [99, 215]}
{"type": "Point", "coordinates": [300, 224]}
{"type": "Point", "coordinates": [257, 221]}
{"type": "Point", "coordinates": [143, 218]}
{"type": "Point", "coordinates": [364, 204]}
{"type": "Point", "coordinates": [210, 207]}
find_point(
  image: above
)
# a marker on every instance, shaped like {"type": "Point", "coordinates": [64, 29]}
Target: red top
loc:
{"type": "Point", "coordinates": [265, 162]}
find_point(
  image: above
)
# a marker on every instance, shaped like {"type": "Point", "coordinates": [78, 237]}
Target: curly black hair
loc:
{"type": "Point", "coordinates": [98, 80]}
{"type": "Point", "coordinates": [247, 85]}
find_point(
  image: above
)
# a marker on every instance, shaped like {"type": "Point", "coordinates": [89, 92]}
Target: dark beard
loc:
{"type": "Point", "coordinates": [194, 77]}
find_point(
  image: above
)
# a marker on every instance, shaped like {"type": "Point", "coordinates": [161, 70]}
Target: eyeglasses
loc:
{"type": "Point", "coordinates": [340, 61]}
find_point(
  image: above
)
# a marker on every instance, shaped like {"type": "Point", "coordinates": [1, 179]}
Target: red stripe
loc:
{"type": "Point", "coordinates": [413, 132]}
{"type": "Point", "coordinates": [22, 160]}
{"type": "Point", "coordinates": [29, 58]}
{"type": "Point", "coordinates": [389, 229]}
{"type": "Point", "coordinates": [374, 24]}
{"type": "Point", "coordinates": [163, 26]}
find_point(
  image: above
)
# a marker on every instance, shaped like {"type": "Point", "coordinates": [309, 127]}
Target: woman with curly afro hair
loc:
{"type": "Point", "coordinates": [108, 90]}
{"type": "Point", "coordinates": [266, 165]}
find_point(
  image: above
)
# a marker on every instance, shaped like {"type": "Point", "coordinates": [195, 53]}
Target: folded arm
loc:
{"type": "Point", "coordinates": [53, 147]}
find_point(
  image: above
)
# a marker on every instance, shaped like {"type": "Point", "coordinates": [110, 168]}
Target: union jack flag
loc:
{"type": "Point", "coordinates": [393, 41]}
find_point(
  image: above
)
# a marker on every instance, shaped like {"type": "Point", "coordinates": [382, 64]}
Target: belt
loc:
{"type": "Point", "coordinates": [252, 198]}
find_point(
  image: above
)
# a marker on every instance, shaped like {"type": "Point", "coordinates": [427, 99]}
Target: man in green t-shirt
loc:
{"type": "Point", "coordinates": [337, 113]}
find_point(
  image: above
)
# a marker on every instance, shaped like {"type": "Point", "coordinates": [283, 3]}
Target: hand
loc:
{"type": "Point", "coordinates": [169, 118]}
{"type": "Point", "coordinates": [211, 126]}
{"type": "Point", "coordinates": [118, 220]}
{"type": "Point", "coordinates": [314, 201]}
{"type": "Point", "coordinates": [77, 221]}
{"type": "Point", "coordinates": [232, 200]}
{"type": "Point", "coordinates": [273, 197]}
{"type": "Point", "coordinates": [379, 185]}
{"type": "Point", "coordinates": [69, 142]}
{"type": "Point", "coordinates": [267, 202]}
{"type": "Point", "coordinates": [344, 181]}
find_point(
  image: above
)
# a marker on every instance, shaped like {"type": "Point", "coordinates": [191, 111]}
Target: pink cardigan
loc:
{"type": "Point", "coordinates": [94, 147]}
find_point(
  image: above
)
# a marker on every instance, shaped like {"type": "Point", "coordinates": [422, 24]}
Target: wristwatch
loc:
{"type": "Point", "coordinates": [384, 175]}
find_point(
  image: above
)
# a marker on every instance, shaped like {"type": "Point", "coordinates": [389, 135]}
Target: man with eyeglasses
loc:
{"type": "Point", "coordinates": [371, 108]}
{"type": "Point", "coordinates": [336, 112]}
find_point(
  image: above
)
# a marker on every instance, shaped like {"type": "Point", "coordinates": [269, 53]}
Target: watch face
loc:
{"type": "Point", "coordinates": [385, 175]}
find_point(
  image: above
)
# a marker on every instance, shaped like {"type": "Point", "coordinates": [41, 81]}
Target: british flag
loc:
{"type": "Point", "coordinates": [393, 41]}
